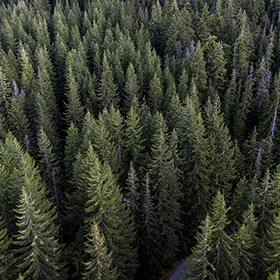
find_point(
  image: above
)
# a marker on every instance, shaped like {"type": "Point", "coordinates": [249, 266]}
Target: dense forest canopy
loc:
{"type": "Point", "coordinates": [135, 133]}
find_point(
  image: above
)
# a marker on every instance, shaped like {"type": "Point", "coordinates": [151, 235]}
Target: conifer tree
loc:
{"type": "Point", "coordinates": [115, 126]}
{"type": "Point", "coordinates": [74, 110]}
{"type": "Point", "coordinates": [274, 276]}
{"type": "Point", "coordinates": [221, 146]}
{"type": "Point", "coordinates": [241, 199]}
{"type": "Point", "coordinates": [107, 94]}
{"type": "Point", "coordinates": [72, 146]}
{"type": "Point", "coordinates": [198, 65]}
{"type": "Point", "coordinates": [103, 144]}
{"type": "Point", "coordinates": [18, 121]}
{"type": "Point", "coordinates": [45, 121]}
{"type": "Point", "coordinates": [49, 168]}
{"type": "Point", "coordinates": [37, 247]}
{"type": "Point", "coordinates": [221, 256]}
{"type": "Point", "coordinates": [133, 137]}
{"type": "Point", "coordinates": [44, 84]}
{"type": "Point", "coordinates": [199, 265]}
{"type": "Point", "coordinates": [28, 80]}
{"type": "Point", "coordinates": [133, 193]}
{"type": "Point", "coordinates": [215, 63]}
{"type": "Point", "coordinates": [6, 256]}
{"type": "Point", "coordinates": [264, 203]}
{"type": "Point", "coordinates": [87, 131]}
{"type": "Point", "coordinates": [150, 264]}
{"type": "Point", "coordinates": [131, 88]}
{"type": "Point", "coordinates": [5, 92]}
{"type": "Point", "coordinates": [100, 263]}
{"type": "Point", "coordinates": [244, 244]}
{"type": "Point", "coordinates": [166, 192]}
{"type": "Point", "coordinates": [155, 96]}
{"type": "Point", "coordinates": [105, 205]}
{"type": "Point", "coordinates": [273, 247]}
{"type": "Point", "coordinates": [183, 85]}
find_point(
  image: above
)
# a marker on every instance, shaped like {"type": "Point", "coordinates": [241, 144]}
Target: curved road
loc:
{"type": "Point", "coordinates": [179, 272]}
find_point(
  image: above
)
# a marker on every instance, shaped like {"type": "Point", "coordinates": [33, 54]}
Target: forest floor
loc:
{"type": "Point", "coordinates": [167, 273]}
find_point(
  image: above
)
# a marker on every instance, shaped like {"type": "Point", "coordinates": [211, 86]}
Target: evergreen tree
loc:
{"type": "Point", "coordinates": [221, 147]}
{"type": "Point", "coordinates": [107, 93]}
{"type": "Point", "coordinates": [133, 137]}
{"type": "Point", "coordinates": [244, 244]}
{"type": "Point", "coordinates": [221, 256]}
{"type": "Point", "coordinates": [273, 248]}
{"type": "Point", "coordinates": [49, 168]}
{"type": "Point", "coordinates": [74, 110]}
{"type": "Point", "coordinates": [106, 205]}
{"type": "Point", "coordinates": [6, 255]}
{"type": "Point", "coordinates": [198, 65]}
{"type": "Point", "coordinates": [103, 144]}
{"type": "Point", "coordinates": [5, 92]}
{"type": "Point", "coordinates": [199, 265]}
{"type": "Point", "coordinates": [18, 121]}
{"type": "Point", "coordinates": [100, 263]}
{"type": "Point", "coordinates": [149, 250]}
{"type": "Point", "coordinates": [72, 146]}
{"type": "Point", "coordinates": [37, 247]}
{"type": "Point", "coordinates": [166, 192]}
{"type": "Point", "coordinates": [274, 276]}
{"type": "Point", "coordinates": [131, 88]}
{"type": "Point", "coordinates": [155, 96]}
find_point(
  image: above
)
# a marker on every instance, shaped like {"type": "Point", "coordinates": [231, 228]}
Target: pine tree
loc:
{"type": "Point", "coordinates": [216, 62]}
{"type": "Point", "coordinates": [87, 131]}
{"type": "Point", "coordinates": [198, 65]}
{"type": "Point", "coordinates": [18, 121]}
{"type": "Point", "coordinates": [72, 146]}
{"type": "Point", "coordinates": [105, 205]}
{"type": "Point", "coordinates": [28, 80]}
{"type": "Point", "coordinates": [131, 88]}
{"type": "Point", "coordinates": [273, 247]}
{"type": "Point", "coordinates": [49, 168]}
{"type": "Point", "coordinates": [221, 253]}
{"type": "Point", "coordinates": [150, 264]}
{"type": "Point", "coordinates": [107, 94]}
{"type": "Point", "coordinates": [241, 199]}
{"type": "Point", "coordinates": [244, 244]}
{"type": "Point", "coordinates": [133, 137]}
{"type": "Point", "coordinates": [10, 151]}
{"type": "Point", "coordinates": [166, 192]}
{"type": "Point", "coordinates": [133, 193]}
{"type": "Point", "coordinates": [44, 84]}
{"type": "Point", "coordinates": [74, 110]}
{"type": "Point", "coordinates": [183, 86]}
{"type": "Point", "coordinates": [115, 126]}
{"type": "Point", "coordinates": [274, 276]}
{"type": "Point", "coordinates": [221, 147]}
{"type": "Point", "coordinates": [103, 144]}
{"type": "Point", "coordinates": [155, 96]}
{"type": "Point", "coordinates": [37, 247]}
{"type": "Point", "coordinates": [6, 255]}
{"type": "Point", "coordinates": [100, 263]}
{"type": "Point", "coordinates": [5, 92]}
{"type": "Point", "coordinates": [265, 203]}
{"type": "Point", "coordinates": [199, 264]}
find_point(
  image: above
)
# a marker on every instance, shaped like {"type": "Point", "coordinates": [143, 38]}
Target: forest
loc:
{"type": "Point", "coordinates": [136, 133]}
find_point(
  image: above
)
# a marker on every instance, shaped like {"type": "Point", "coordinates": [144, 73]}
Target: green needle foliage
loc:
{"type": "Point", "coordinates": [100, 263]}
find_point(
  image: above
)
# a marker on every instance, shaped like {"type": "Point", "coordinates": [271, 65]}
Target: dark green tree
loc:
{"type": "Point", "coordinates": [100, 263]}
{"type": "Point", "coordinates": [244, 245]}
{"type": "Point", "coordinates": [7, 259]}
{"type": "Point", "coordinates": [166, 192]}
{"type": "Point", "coordinates": [199, 264]}
{"type": "Point", "coordinates": [221, 255]}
